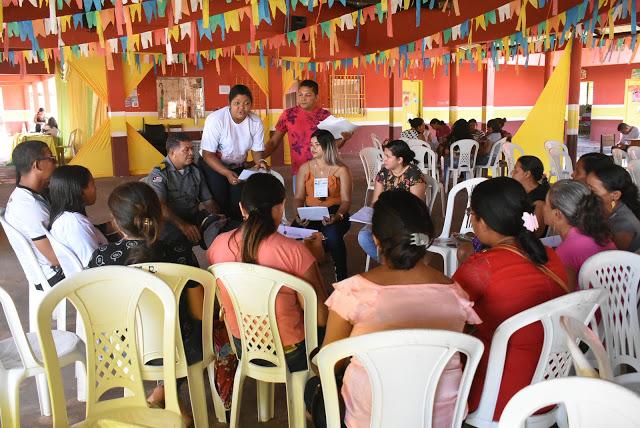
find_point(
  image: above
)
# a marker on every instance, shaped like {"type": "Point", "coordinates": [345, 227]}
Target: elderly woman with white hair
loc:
{"type": "Point", "coordinates": [578, 216]}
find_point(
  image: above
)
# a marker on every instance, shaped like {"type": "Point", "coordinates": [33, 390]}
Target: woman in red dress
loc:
{"type": "Point", "coordinates": [516, 273]}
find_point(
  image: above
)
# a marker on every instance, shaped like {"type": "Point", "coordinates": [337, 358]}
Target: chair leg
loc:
{"type": "Point", "coordinates": [295, 400]}
{"type": "Point", "coordinates": [195, 377]}
{"type": "Point", "coordinates": [43, 395]}
{"type": "Point", "coordinates": [218, 405]}
{"type": "Point", "coordinates": [81, 371]}
{"type": "Point", "coordinates": [236, 398]}
{"type": "Point", "coordinates": [366, 263]}
{"type": "Point", "coordinates": [265, 393]}
{"type": "Point", "coordinates": [446, 180]}
{"type": "Point", "coordinates": [7, 414]}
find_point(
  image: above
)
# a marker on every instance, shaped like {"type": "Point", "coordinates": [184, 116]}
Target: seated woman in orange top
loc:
{"type": "Point", "coordinates": [516, 273]}
{"type": "Point", "coordinates": [257, 241]}
{"type": "Point", "coordinates": [326, 182]}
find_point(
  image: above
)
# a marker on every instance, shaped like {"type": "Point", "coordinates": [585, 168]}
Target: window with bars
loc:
{"type": "Point", "coordinates": [347, 95]}
{"type": "Point", "coordinates": [259, 98]}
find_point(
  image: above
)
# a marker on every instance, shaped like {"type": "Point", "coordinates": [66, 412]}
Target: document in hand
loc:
{"type": "Point", "coordinates": [364, 215]}
{"type": "Point", "coordinates": [337, 126]}
{"type": "Point", "coordinates": [246, 173]}
{"type": "Point", "coordinates": [295, 232]}
{"type": "Point", "coordinates": [313, 213]}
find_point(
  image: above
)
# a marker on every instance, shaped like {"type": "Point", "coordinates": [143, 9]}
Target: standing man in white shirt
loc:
{"type": "Point", "coordinates": [627, 133]}
{"type": "Point", "coordinates": [228, 135]}
{"type": "Point", "coordinates": [28, 208]}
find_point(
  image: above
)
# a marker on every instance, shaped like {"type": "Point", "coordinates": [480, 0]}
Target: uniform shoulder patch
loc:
{"type": "Point", "coordinates": [157, 179]}
{"type": "Point", "coordinates": [162, 166]}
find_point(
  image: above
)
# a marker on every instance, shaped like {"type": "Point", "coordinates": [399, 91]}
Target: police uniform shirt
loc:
{"type": "Point", "coordinates": [182, 191]}
{"type": "Point", "coordinates": [28, 212]}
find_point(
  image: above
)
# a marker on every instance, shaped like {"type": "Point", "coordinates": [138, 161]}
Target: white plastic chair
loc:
{"type": "Point", "coordinates": [619, 157]}
{"type": "Point", "coordinates": [252, 290]}
{"type": "Point", "coordinates": [376, 142]}
{"type": "Point", "coordinates": [509, 151]}
{"type": "Point", "coordinates": [578, 332]}
{"type": "Point", "coordinates": [414, 142]}
{"type": "Point", "coordinates": [618, 274]}
{"type": "Point", "coordinates": [590, 403]}
{"type": "Point", "coordinates": [493, 163]}
{"type": "Point", "coordinates": [561, 166]}
{"type": "Point", "coordinates": [467, 151]}
{"type": "Point", "coordinates": [449, 253]}
{"type": "Point", "coordinates": [434, 188]}
{"type": "Point", "coordinates": [404, 367]}
{"type": "Point", "coordinates": [555, 358]}
{"type": "Point", "coordinates": [34, 274]}
{"type": "Point", "coordinates": [371, 158]}
{"type": "Point", "coordinates": [633, 153]}
{"type": "Point", "coordinates": [20, 358]}
{"type": "Point", "coordinates": [431, 166]}
{"type": "Point", "coordinates": [107, 299]}
{"type": "Point", "coordinates": [150, 341]}
{"type": "Point", "coordinates": [634, 171]}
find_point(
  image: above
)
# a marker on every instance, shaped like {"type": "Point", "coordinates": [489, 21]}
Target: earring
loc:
{"type": "Point", "coordinates": [613, 204]}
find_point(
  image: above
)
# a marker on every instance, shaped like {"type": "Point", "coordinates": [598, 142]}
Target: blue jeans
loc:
{"type": "Point", "coordinates": [365, 239]}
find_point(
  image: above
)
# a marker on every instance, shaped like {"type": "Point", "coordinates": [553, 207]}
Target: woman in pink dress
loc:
{"type": "Point", "coordinates": [403, 292]}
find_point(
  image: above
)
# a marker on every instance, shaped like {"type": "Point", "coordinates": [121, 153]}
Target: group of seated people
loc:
{"type": "Point", "coordinates": [508, 270]}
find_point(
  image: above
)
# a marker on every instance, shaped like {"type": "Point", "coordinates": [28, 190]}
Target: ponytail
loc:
{"type": "Point", "coordinates": [532, 247]}
{"type": "Point", "coordinates": [258, 226]}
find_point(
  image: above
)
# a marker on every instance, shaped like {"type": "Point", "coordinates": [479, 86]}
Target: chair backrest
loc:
{"type": "Point", "coordinates": [430, 167]}
{"type": "Point", "coordinates": [494, 154]}
{"type": "Point", "coordinates": [578, 332]}
{"type": "Point", "coordinates": [176, 276]}
{"type": "Point", "coordinates": [619, 156]}
{"type": "Point", "coordinates": [633, 153]}
{"type": "Point", "coordinates": [376, 141]}
{"type": "Point", "coordinates": [106, 299]}
{"type": "Point", "coordinates": [618, 274]}
{"type": "Point", "coordinates": [633, 167]}
{"type": "Point", "coordinates": [433, 188]}
{"type": "Point", "coordinates": [24, 253]}
{"type": "Point", "coordinates": [590, 403]}
{"type": "Point", "coordinates": [371, 158]}
{"type": "Point", "coordinates": [17, 332]}
{"type": "Point", "coordinates": [252, 290]}
{"type": "Point", "coordinates": [69, 261]}
{"type": "Point", "coordinates": [509, 151]}
{"type": "Point", "coordinates": [414, 142]}
{"type": "Point", "coordinates": [607, 140]}
{"type": "Point", "coordinates": [468, 151]}
{"type": "Point", "coordinates": [555, 358]}
{"type": "Point", "coordinates": [404, 368]}
{"type": "Point", "coordinates": [465, 227]}
{"type": "Point", "coordinates": [559, 158]}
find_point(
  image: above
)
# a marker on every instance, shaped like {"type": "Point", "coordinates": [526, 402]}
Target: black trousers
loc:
{"type": "Point", "coordinates": [226, 195]}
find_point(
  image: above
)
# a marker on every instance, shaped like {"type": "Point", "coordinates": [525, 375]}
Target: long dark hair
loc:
{"type": "Point", "coordinates": [501, 202]}
{"type": "Point", "coordinates": [460, 131]}
{"type": "Point", "coordinates": [136, 209]}
{"type": "Point", "coordinates": [533, 165]}
{"type": "Point", "coordinates": [396, 215]}
{"type": "Point", "coordinates": [66, 189]}
{"type": "Point", "coordinates": [260, 194]}
{"type": "Point", "coordinates": [400, 149]}
{"type": "Point", "coordinates": [582, 209]}
{"type": "Point", "coordinates": [329, 147]}
{"type": "Point", "coordinates": [615, 177]}
{"type": "Point", "coordinates": [594, 160]}
{"type": "Point", "coordinates": [416, 122]}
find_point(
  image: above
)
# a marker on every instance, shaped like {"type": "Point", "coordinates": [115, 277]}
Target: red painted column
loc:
{"type": "Point", "coordinates": [573, 103]}
{"type": "Point", "coordinates": [453, 92]}
{"type": "Point", "coordinates": [548, 65]}
{"type": "Point", "coordinates": [119, 145]}
{"type": "Point", "coordinates": [488, 83]}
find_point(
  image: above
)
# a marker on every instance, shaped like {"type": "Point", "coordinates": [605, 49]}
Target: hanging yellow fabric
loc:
{"type": "Point", "coordinates": [95, 154]}
{"type": "Point", "coordinates": [260, 75]}
{"type": "Point", "coordinates": [93, 71]}
{"type": "Point", "coordinates": [142, 155]}
{"type": "Point", "coordinates": [133, 76]}
{"type": "Point", "coordinates": [546, 120]}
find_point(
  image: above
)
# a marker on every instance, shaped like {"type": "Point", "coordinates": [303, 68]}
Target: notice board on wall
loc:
{"type": "Point", "coordinates": [632, 102]}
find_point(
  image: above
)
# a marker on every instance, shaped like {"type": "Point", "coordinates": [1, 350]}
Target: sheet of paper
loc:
{"type": "Point", "coordinates": [246, 173]}
{"type": "Point", "coordinates": [552, 241]}
{"type": "Point", "coordinates": [295, 232]}
{"type": "Point", "coordinates": [337, 126]}
{"type": "Point", "coordinates": [363, 215]}
{"type": "Point", "coordinates": [313, 213]}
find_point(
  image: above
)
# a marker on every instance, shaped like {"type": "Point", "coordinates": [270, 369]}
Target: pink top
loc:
{"type": "Point", "coordinates": [299, 124]}
{"type": "Point", "coordinates": [370, 307]}
{"type": "Point", "coordinates": [577, 247]}
{"type": "Point", "coordinates": [276, 252]}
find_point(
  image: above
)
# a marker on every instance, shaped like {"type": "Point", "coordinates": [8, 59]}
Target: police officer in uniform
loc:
{"type": "Point", "coordinates": [187, 205]}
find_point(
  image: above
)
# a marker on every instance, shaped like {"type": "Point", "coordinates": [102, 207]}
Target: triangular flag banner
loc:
{"type": "Point", "coordinates": [545, 121]}
{"type": "Point", "coordinates": [95, 154]}
{"type": "Point", "coordinates": [142, 155]}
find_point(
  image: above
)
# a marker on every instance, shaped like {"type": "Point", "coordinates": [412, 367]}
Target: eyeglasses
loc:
{"type": "Point", "coordinates": [49, 158]}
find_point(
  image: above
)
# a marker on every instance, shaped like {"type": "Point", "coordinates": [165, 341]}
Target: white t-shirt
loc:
{"type": "Point", "coordinates": [28, 212]}
{"type": "Point", "coordinates": [634, 134]}
{"type": "Point", "coordinates": [77, 233]}
{"type": "Point", "coordinates": [232, 140]}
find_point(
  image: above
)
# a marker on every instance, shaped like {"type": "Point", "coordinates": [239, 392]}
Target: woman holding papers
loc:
{"type": "Point", "coordinates": [399, 171]}
{"type": "Point", "coordinates": [326, 182]}
{"type": "Point", "coordinates": [257, 241]}
{"type": "Point", "coordinates": [227, 137]}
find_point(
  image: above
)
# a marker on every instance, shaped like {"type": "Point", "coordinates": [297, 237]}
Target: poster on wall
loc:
{"type": "Point", "coordinates": [634, 92]}
{"type": "Point", "coordinates": [132, 100]}
{"type": "Point", "coordinates": [180, 97]}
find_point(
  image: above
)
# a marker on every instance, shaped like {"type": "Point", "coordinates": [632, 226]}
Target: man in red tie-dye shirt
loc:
{"type": "Point", "coordinates": [300, 122]}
